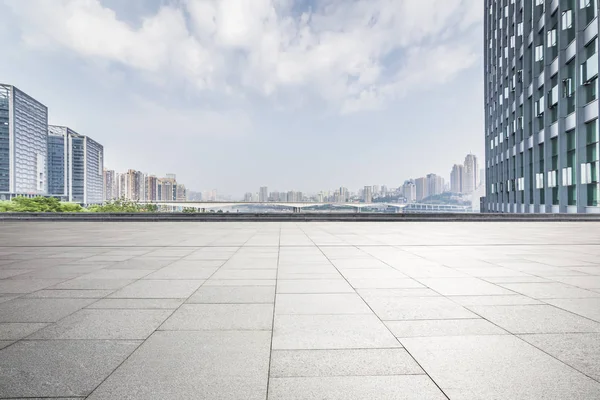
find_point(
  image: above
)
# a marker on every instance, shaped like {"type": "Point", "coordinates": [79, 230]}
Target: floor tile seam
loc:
{"type": "Point", "coordinates": [273, 317]}
{"type": "Point", "coordinates": [348, 376]}
{"type": "Point", "coordinates": [569, 311]}
{"type": "Point", "coordinates": [385, 326]}
{"type": "Point", "coordinates": [556, 358]}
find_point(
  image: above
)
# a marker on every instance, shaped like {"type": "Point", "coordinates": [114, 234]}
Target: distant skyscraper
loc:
{"type": "Point", "coordinates": [368, 194]}
{"type": "Point", "coordinates": [151, 188]}
{"type": "Point", "coordinates": [471, 172]}
{"type": "Point", "coordinates": [409, 191]}
{"type": "Point", "coordinates": [456, 178]}
{"type": "Point", "coordinates": [167, 188]}
{"type": "Point", "coordinates": [421, 188]}
{"type": "Point", "coordinates": [343, 195]}
{"type": "Point", "coordinates": [181, 194]}
{"type": "Point", "coordinates": [248, 197]}
{"type": "Point", "coordinates": [263, 194]}
{"type": "Point", "coordinates": [110, 185]}
{"type": "Point", "coordinates": [75, 167]}
{"type": "Point", "coordinates": [435, 185]}
{"type": "Point", "coordinates": [23, 144]}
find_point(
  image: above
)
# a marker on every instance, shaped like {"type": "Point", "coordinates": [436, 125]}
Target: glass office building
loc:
{"type": "Point", "coordinates": [75, 166]}
{"type": "Point", "coordinates": [23, 144]}
{"type": "Point", "coordinates": [541, 106]}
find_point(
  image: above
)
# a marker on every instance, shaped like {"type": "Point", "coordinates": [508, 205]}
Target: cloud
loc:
{"type": "Point", "coordinates": [353, 54]}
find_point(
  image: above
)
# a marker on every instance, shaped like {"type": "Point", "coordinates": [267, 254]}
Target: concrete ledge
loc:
{"type": "Point", "coordinates": [300, 217]}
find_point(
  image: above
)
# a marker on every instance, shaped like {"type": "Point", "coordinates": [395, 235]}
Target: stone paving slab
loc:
{"type": "Point", "coordinates": [288, 310]}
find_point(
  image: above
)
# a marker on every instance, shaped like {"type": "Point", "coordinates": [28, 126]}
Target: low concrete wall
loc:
{"type": "Point", "coordinates": [299, 217]}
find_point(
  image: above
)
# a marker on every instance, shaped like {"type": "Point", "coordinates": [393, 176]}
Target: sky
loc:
{"type": "Point", "coordinates": [232, 95]}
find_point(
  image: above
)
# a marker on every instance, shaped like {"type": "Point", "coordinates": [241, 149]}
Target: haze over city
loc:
{"type": "Point", "coordinates": [303, 95]}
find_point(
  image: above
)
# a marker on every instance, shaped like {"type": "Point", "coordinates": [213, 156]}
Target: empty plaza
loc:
{"type": "Point", "coordinates": [294, 310]}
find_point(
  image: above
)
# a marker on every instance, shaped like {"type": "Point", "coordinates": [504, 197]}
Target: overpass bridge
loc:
{"type": "Point", "coordinates": [298, 207]}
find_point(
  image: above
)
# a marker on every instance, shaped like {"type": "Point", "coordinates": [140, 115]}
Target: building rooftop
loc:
{"type": "Point", "coordinates": [288, 310]}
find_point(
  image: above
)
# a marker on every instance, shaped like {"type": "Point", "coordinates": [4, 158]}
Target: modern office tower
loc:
{"type": "Point", "coordinates": [151, 188]}
{"type": "Point", "coordinates": [110, 185]}
{"type": "Point", "coordinates": [75, 166]}
{"type": "Point", "coordinates": [471, 172]}
{"type": "Point", "coordinates": [421, 188]}
{"type": "Point", "coordinates": [409, 191]}
{"type": "Point", "coordinates": [541, 107]}
{"type": "Point", "coordinates": [435, 185]}
{"type": "Point", "coordinates": [368, 194]}
{"type": "Point", "coordinates": [456, 178]}
{"type": "Point", "coordinates": [248, 197]}
{"type": "Point", "coordinates": [263, 194]}
{"type": "Point", "coordinates": [23, 144]}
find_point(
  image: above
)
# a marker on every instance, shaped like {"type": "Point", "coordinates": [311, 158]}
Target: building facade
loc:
{"type": "Point", "coordinates": [470, 178]}
{"type": "Point", "coordinates": [435, 185]}
{"type": "Point", "coordinates": [421, 188]}
{"type": "Point", "coordinates": [110, 185]}
{"type": "Point", "coordinates": [456, 178]}
{"type": "Point", "coordinates": [409, 191]}
{"type": "Point", "coordinates": [368, 194]}
{"type": "Point", "coordinates": [541, 106]}
{"type": "Point", "coordinates": [263, 194]}
{"type": "Point", "coordinates": [75, 166]}
{"type": "Point", "coordinates": [23, 144]}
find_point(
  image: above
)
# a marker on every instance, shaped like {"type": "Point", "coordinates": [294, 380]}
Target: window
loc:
{"type": "Point", "coordinates": [551, 42]}
{"type": "Point", "coordinates": [520, 29]}
{"type": "Point", "coordinates": [567, 20]}
{"type": "Point", "coordinates": [539, 53]}
{"type": "Point", "coordinates": [588, 9]}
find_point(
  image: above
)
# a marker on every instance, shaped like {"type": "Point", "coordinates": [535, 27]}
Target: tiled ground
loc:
{"type": "Point", "coordinates": [300, 310]}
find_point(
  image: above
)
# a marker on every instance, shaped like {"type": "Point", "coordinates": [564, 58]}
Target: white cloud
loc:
{"type": "Point", "coordinates": [354, 54]}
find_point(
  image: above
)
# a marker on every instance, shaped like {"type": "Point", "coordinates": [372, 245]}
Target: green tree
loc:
{"type": "Point", "coordinates": [38, 204]}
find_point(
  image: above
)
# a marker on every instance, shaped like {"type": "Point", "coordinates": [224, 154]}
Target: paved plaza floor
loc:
{"type": "Point", "coordinates": [284, 311]}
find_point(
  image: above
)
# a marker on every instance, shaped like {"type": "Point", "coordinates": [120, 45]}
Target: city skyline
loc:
{"type": "Point", "coordinates": [315, 130]}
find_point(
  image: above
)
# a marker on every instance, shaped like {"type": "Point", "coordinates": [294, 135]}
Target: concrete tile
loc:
{"type": "Point", "coordinates": [331, 332]}
{"type": "Point", "coordinates": [313, 286]}
{"type": "Point", "coordinates": [579, 350]}
{"type": "Point", "coordinates": [117, 274]}
{"type": "Point", "coordinates": [55, 368]}
{"type": "Point", "coordinates": [240, 282]}
{"type": "Point", "coordinates": [5, 343]}
{"type": "Point", "coordinates": [182, 272]}
{"type": "Point", "coordinates": [198, 365]}
{"type": "Point", "coordinates": [504, 300]}
{"type": "Point", "coordinates": [353, 362]}
{"type": "Point", "coordinates": [105, 324]}
{"type": "Point", "coordinates": [497, 367]}
{"type": "Point", "coordinates": [7, 273]}
{"type": "Point", "coordinates": [234, 294]}
{"type": "Point", "coordinates": [535, 319]}
{"type": "Point", "coordinates": [399, 387]}
{"type": "Point", "coordinates": [18, 286]}
{"type": "Point", "coordinates": [463, 286]}
{"type": "Point", "coordinates": [150, 304]}
{"type": "Point", "coordinates": [551, 290]}
{"type": "Point", "coordinates": [245, 274]}
{"type": "Point", "coordinates": [198, 317]}
{"type": "Point", "coordinates": [384, 283]}
{"type": "Point", "coordinates": [415, 292]}
{"type": "Point", "coordinates": [585, 282]}
{"type": "Point", "coordinates": [589, 308]}
{"type": "Point", "coordinates": [68, 294]}
{"type": "Point", "coordinates": [40, 310]}
{"type": "Point", "coordinates": [158, 289]}
{"type": "Point", "coordinates": [141, 263]}
{"type": "Point", "coordinates": [17, 331]}
{"type": "Point", "coordinates": [308, 275]}
{"type": "Point", "coordinates": [101, 284]}
{"type": "Point", "coordinates": [443, 327]}
{"type": "Point", "coordinates": [337, 303]}
{"type": "Point", "coordinates": [402, 308]}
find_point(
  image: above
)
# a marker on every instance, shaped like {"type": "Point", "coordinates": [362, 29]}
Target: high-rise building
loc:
{"type": "Point", "coordinates": [151, 188]}
{"type": "Point", "coordinates": [248, 197]}
{"type": "Point", "coordinates": [421, 188]}
{"type": "Point", "coordinates": [75, 166]}
{"type": "Point", "coordinates": [541, 106]}
{"type": "Point", "coordinates": [471, 172]}
{"type": "Point", "coordinates": [180, 192]}
{"type": "Point", "coordinates": [23, 144]}
{"type": "Point", "coordinates": [343, 195]}
{"type": "Point", "coordinates": [263, 194]}
{"type": "Point", "coordinates": [435, 185]}
{"type": "Point", "coordinates": [456, 178]}
{"type": "Point", "coordinates": [167, 188]}
{"type": "Point", "coordinates": [368, 194]}
{"type": "Point", "coordinates": [110, 185]}
{"type": "Point", "coordinates": [409, 191]}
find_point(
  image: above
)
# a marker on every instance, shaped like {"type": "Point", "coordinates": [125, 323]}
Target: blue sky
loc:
{"type": "Point", "coordinates": [236, 94]}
